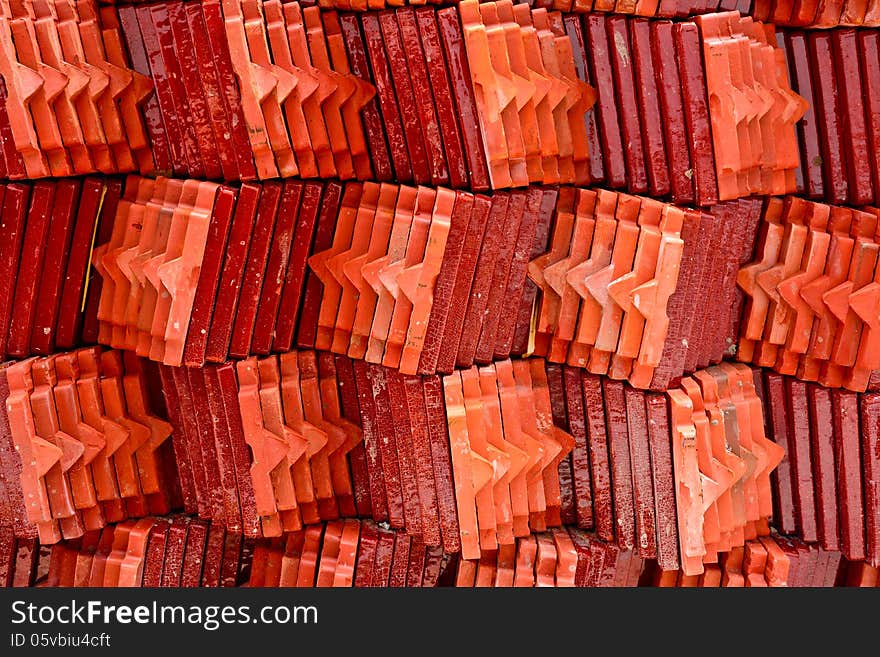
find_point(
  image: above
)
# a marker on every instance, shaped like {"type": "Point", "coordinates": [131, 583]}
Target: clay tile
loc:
{"type": "Point", "coordinates": [256, 84]}
{"type": "Point", "coordinates": [650, 299]}
{"type": "Point", "coordinates": [521, 87]}
{"type": "Point", "coordinates": [389, 275]}
{"type": "Point", "coordinates": [268, 450]}
{"type": "Point", "coordinates": [38, 456]}
{"type": "Point", "coordinates": [114, 404]}
{"type": "Point", "coordinates": [352, 434]}
{"type": "Point", "coordinates": [527, 453]}
{"type": "Point", "coordinates": [549, 92]}
{"type": "Point", "coordinates": [136, 399]}
{"type": "Point", "coordinates": [277, 83]}
{"type": "Point", "coordinates": [416, 282]}
{"type": "Point", "coordinates": [294, 486]}
{"type": "Point", "coordinates": [560, 274]}
{"type": "Point", "coordinates": [329, 554]}
{"type": "Point", "coordinates": [41, 103]}
{"type": "Point", "coordinates": [362, 92]}
{"type": "Point", "coordinates": [526, 552]}
{"type": "Point", "coordinates": [117, 553]}
{"type": "Point", "coordinates": [371, 271]}
{"type": "Point", "coordinates": [599, 284]}
{"type": "Point", "coordinates": [22, 84]}
{"type": "Point", "coordinates": [482, 456]}
{"type": "Point", "coordinates": [492, 92]}
{"type": "Point", "coordinates": [131, 569]}
{"type": "Point", "coordinates": [306, 574]}
{"type": "Point", "coordinates": [757, 300]}
{"type": "Point", "coordinates": [545, 563]}
{"type": "Point", "coordinates": [118, 79]}
{"type": "Point", "coordinates": [462, 466]}
{"type": "Point", "coordinates": [645, 264]}
{"type": "Point", "coordinates": [137, 89]}
{"type": "Point", "coordinates": [356, 269]}
{"type": "Point", "coordinates": [135, 258]}
{"type": "Point", "coordinates": [93, 99]}
{"type": "Point", "coordinates": [558, 443]}
{"type": "Point", "coordinates": [713, 476]}
{"type": "Point", "coordinates": [71, 421]}
{"type": "Point", "coordinates": [508, 461]}
{"type": "Point", "coordinates": [343, 576]}
{"type": "Point", "coordinates": [343, 270]}
{"type": "Point", "coordinates": [566, 558]}
{"type": "Point", "coordinates": [837, 266]}
{"type": "Point", "coordinates": [541, 449]}
{"type": "Point", "coordinates": [293, 104]}
{"type": "Point", "coordinates": [76, 490]}
{"type": "Point", "coordinates": [93, 413]}
{"type": "Point", "coordinates": [180, 274]}
{"type": "Point", "coordinates": [320, 264]}
{"type": "Point", "coordinates": [791, 253]}
{"type": "Point", "coordinates": [344, 88]}
{"type": "Point", "coordinates": [333, 436]}
{"type": "Point", "coordinates": [725, 461]}
{"type": "Point", "coordinates": [145, 267]}
{"type": "Point", "coordinates": [314, 87]}
{"type": "Point", "coordinates": [548, 314]}
{"type": "Point", "coordinates": [812, 266]}
{"type": "Point", "coordinates": [579, 277]}
{"type": "Point", "coordinates": [64, 106]}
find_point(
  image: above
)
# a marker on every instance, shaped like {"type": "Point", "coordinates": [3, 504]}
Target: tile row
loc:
{"type": "Point", "coordinates": [81, 444]}
{"type": "Point", "coordinates": [473, 460]}
{"type": "Point", "coordinates": [538, 560]}
{"type": "Point", "coordinates": [857, 13]}
{"type": "Point", "coordinates": [722, 462]}
{"type": "Point", "coordinates": [276, 434]}
{"type": "Point", "coordinates": [813, 566]}
{"type": "Point", "coordinates": [647, 8]}
{"type": "Point", "coordinates": [759, 563]}
{"type": "Point", "coordinates": [826, 489]}
{"type": "Point", "coordinates": [46, 236]}
{"type": "Point", "coordinates": [347, 553]}
{"type": "Point", "coordinates": [170, 551]}
{"type": "Point", "coordinates": [838, 73]}
{"type": "Point", "coordinates": [478, 95]}
{"type": "Point", "coordinates": [505, 452]}
{"type": "Point", "coordinates": [778, 12]}
{"type": "Point", "coordinates": [639, 289]}
{"type": "Point", "coordinates": [424, 280]}
{"type": "Point", "coordinates": [193, 272]}
{"type": "Point", "coordinates": [698, 111]}
{"type": "Point", "coordinates": [70, 102]}
{"type": "Point", "coordinates": [754, 107]}
{"type": "Point", "coordinates": [468, 96]}
{"type": "Point", "coordinates": [178, 551]}
{"type": "Point", "coordinates": [770, 561]}
{"type": "Point", "coordinates": [227, 105]}
{"type": "Point", "coordinates": [782, 12]}
{"type": "Point", "coordinates": [812, 292]}
{"type": "Point", "coordinates": [398, 447]}
{"type": "Point", "coordinates": [520, 63]}
{"type": "Point", "coordinates": [678, 477]}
